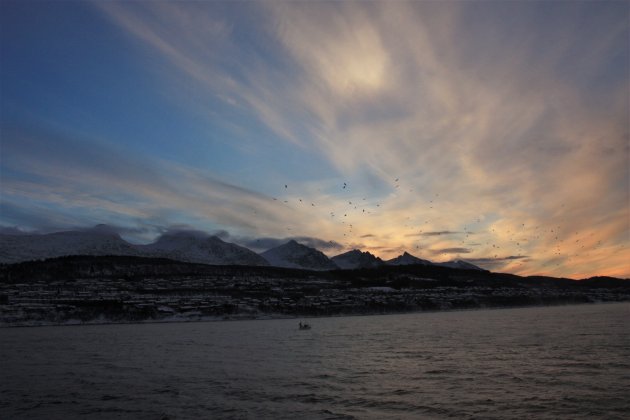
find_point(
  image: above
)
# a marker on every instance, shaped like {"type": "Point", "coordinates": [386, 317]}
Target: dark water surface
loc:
{"type": "Point", "coordinates": [554, 362]}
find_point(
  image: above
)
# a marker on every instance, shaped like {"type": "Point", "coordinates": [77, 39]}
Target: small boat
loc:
{"type": "Point", "coordinates": [305, 326]}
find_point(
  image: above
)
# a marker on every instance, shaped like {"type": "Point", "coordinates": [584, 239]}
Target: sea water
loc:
{"type": "Point", "coordinates": [545, 362]}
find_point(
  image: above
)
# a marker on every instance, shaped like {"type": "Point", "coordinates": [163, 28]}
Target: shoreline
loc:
{"type": "Point", "coordinates": [272, 317]}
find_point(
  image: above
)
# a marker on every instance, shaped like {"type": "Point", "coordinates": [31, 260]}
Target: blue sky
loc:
{"type": "Point", "coordinates": [495, 132]}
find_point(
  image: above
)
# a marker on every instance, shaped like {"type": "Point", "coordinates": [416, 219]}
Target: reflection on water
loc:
{"type": "Point", "coordinates": [567, 362]}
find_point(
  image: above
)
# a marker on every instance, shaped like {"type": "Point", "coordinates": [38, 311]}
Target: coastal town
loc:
{"type": "Point", "coordinates": [120, 294]}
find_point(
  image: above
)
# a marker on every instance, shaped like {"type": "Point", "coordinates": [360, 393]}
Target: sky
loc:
{"type": "Point", "coordinates": [496, 132]}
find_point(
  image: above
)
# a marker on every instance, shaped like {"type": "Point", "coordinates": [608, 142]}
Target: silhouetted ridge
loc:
{"type": "Point", "coordinates": [356, 259]}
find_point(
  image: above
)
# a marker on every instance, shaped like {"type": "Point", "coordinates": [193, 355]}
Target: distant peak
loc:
{"type": "Point", "coordinates": [103, 229]}
{"type": "Point", "coordinates": [356, 259]}
{"type": "Point", "coordinates": [366, 253]}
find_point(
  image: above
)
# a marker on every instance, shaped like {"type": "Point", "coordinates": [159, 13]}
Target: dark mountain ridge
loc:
{"type": "Point", "coordinates": [81, 267]}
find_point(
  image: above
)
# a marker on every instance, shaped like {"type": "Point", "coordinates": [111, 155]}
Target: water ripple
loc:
{"type": "Point", "coordinates": [562, 362]}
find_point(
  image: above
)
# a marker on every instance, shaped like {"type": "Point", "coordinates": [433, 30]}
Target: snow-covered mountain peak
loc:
{"type": "Point", "coordinates": [356, 259]}
{"type": "Point", "coordinates": [195, 247]}
{"type": "Point", "coordinates": [295, 255]}
{"type": "Point", "coordinates": [408, 259]}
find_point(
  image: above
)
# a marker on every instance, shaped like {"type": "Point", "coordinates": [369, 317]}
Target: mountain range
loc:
{"type": "Point", "coordinates": [101, 240]}
{"type": "Point", "coordinates": [295, 255]}
{"type": "Point", "coordinates": [96, 241]}
{"type": "Point", "coordinates": [195, 247]}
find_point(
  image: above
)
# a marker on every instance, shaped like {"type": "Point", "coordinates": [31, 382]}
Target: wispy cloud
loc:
{"type": "Point", "coordinates": [499, 263]}
{"type": "Point", "coordinates": [91, 175]}
{"type": "Point", "coordinates": [436, 233]}
{"type": "Point", "coordinates": [450, 251]}
{"type": "Point", "coordinates": [509, 120]}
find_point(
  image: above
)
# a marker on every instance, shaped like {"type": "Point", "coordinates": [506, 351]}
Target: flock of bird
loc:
{"type": "Point", "coordinates": [343, 215]}
{"type": "Point", "coordinates": [509, 246]}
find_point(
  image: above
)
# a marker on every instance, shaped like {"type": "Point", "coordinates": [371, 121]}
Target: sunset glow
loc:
{"type": "Point", "coordinates": [493, 132]}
